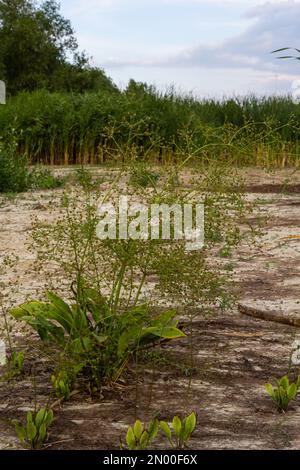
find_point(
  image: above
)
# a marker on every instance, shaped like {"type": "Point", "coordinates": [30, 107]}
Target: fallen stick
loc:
{"type": "Point", "coordinates": [268, 315]}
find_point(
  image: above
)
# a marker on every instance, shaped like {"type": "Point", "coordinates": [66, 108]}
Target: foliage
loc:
{"type": "Point", "coordinates": [34, 433]}
{"type": "Point", "coordinates": [139, 438]}
{"type": "Point", "coordinates": [15, 365]}
{"type": "Point", "coordinates": [36, 42]}
{"type": "Point", "coordinates": [16, 175]}
{"type": "Point", "coordinates": [101, 340]}
{"type": "Point", "coordinates": [142, 175]}
{"type": "Point", "coordinates": [134, 127]}
{"type": "Point", "coordinates": [84, 177]}
{"type": "Point", "coordinates": [108, 317]}
{"type": "Point", "coordinates": [43, 178]}
{"type": "Point", "coordinates": [284, 49]}
{"type": "Point", "coordinates": [284, 393]}
{"type": "Point", "coordinates": [182, 430]}
{"type": "Point", "coordinates": [14, 172]}
{"type": "Point", "coordinates": [62, 383]}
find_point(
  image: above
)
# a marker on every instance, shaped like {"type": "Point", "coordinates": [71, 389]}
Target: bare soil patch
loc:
{"type": "Point", "coordinates": [234, 354]}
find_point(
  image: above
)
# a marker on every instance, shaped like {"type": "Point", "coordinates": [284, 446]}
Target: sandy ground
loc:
{"type": "Point", "coordinates": [234, 355]}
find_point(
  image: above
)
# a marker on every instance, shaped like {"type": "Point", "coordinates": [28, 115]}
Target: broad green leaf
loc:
{"type": "Point", "coordinates": [292, 391]}
{"type": "Point", "coordinates": [31, 431]}
{"type": "Point", "coordinates": [49, 418]}
{"type": "Point", "coordinates": [176, 423]}
{"type": "Point", "coordinates": [100, 338]}
{"type": "Point", "coordinates": [270, 390]}
{"type": "Point", "coordinates": [36, 318]}
{"type": "Point", "coordinates": [153, 429]}
{"type": "Point", "coordinates": [284, 382]}
{"type": "Point", "coordinates": [168, 332]}
{"type": "Point", "coordinates": [42, 433]}
{"type": "Point", "coordinates": [96, 303]}
{"type": "Point", "coordinates": [144, 439]}
{"type": "Point", "coordinates": [61, 313]}
{"type": "Point", "coordinates": [138, 429]}
{"type": "Point", "coordinates": [128, 339]}
{"type": "Point", "coordinates": [166, 429]}
{"type": "Point", "coordinates": [40, 417]}
{"type": "Point", "coordinates": [190, 424]}
{"type": "Point", "coordinates": [130, 439]}
{"type": "Point", "coordinates": [20, 431]}
{"type": "Point", "coordinates": [166, 318]}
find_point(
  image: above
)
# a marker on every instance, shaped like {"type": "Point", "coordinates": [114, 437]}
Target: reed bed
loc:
{"type": "Point", "coordinates": [106, 127]}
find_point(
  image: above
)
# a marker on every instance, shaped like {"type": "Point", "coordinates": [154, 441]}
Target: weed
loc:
{"type": "Point", "coordinates": [84, 177]}
{"type": "Point", "coordinates": [34, 433]}
{"type": "Point", "coordinates": [15, 365]}
{"type": "Point", "coordinates": [284, 392]}
{"type": "Point", "coordinates": [182, 430]}
{"type": "Point", "coordinates": [62, 383]}
{"type": "Point", "coordinates": [139, 438]}
{"type": "Point", "coordinates": [14, 172]}
{"type": "Point", "coordinates": [141, 175]}
{"type": "Point", "coordinates": [100, 339]}
{"type": "Point", "coordinates": [43, 178]}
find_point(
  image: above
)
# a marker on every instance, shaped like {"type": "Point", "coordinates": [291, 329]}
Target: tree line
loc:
{"type": "Point", "coordinates": [39, 50]}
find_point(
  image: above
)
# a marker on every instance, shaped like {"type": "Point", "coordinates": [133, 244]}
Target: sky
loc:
{"type": "Point", "coordinates": [212, 48]}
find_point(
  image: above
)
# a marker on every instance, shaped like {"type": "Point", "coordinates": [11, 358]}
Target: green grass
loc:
{"type": "Point", "coordinates": [141, 124]}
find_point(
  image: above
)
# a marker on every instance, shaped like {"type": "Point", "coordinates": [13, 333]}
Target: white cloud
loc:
{"type": "Point", "coordinates": [273, 26]}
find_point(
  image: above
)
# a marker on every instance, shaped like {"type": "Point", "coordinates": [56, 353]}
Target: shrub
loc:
{"type": "Point", "coordinates": [14, 172]}
{"type": "Point", "coordinates": [91, 334]}
{"type": "Point", "coordinates": [109, 317]}
{"type": "Point", "coordinates": [43, 178]}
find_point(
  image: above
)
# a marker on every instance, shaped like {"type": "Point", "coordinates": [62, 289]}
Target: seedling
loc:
{"type": "Point", "coordinates": [62, 383]}
{"type": "Point", "coordinates": [15, 365]}
{"type": "Point", "coordinates": [284, 393]}
{"type": "Point", "coordinates": [183, 429]}
{"type": "Point", "coordinates": [35, 431]}
{"type": "Point", "coordinates": [139, 438]}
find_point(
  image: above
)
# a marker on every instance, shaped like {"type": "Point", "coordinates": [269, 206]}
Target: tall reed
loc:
{"type": "Point", "coordinates": [142, 124]}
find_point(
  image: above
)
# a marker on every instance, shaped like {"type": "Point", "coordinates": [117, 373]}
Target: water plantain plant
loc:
{"type": "Point", "coordinates": [138, 437]}
{"type": "Point", "coordinates": [284, 392]}
{"type": "Point", "coordinates": [89, 333]}
{"type": "Point", "coordinates": [34, 433]}
{"type": "Point", "coordinates": [182, 430]}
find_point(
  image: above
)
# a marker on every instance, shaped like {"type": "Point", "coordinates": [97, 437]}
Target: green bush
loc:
{"type": "Point", "coordinates": [89, 333]}
{"type": "Point", "coordinates": [14, 172]}
{"type": "Point", "coordinates": [43, 178]}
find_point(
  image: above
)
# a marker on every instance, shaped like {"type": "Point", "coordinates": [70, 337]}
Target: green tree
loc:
{"type": "Point", "coordinates": [36, 43]}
